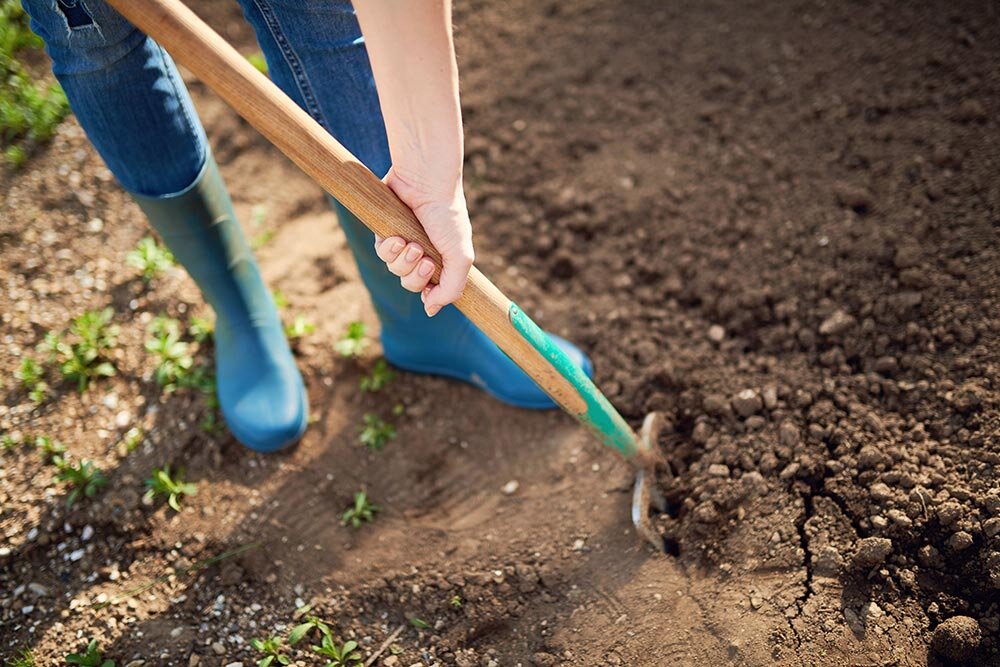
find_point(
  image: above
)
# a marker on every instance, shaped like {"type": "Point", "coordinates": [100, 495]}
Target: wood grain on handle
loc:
{"type": "Point", "coordinates": [296, 134]}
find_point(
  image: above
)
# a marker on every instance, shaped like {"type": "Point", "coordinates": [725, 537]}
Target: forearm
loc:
{"type": "Point", "coordinates": [412, 54]}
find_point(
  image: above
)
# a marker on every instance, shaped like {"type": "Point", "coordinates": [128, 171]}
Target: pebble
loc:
{"type": "Point", "coordinates": [747, 402]}
{"type": "Point", "coordinates": [235, 664]}
{"type": "Point", "coordinates": [716, 333]}
{"type": "Point", "coordinates": [880, 491]}
{"type": "Point", "coordinates": [715, 404]}
{"type": "Point", "coordinates": [872, 551]}
{"type": "Point", "coordinates": [135, 663]}
{"type": "Point", "coordinates": [960, 541]}
{"type": "Point", "coordinates": [789, 434]}
{"type": "Point", "coordinates": [837, 324]}
{"type": "Point", "coordinates": [194, 660]}
{"type": "Point", "coordinates": [718, 470]}
{"type": "Point", "coordinates": [38, 589]}
{"type": "Point", "coordinates": [218, 648]}
{"type": "Point", "coordinates": [87, 533]}
{"type": "Point", "coordinates": [511, 487]}
{"type": "Point", "coordinates": [991, 527]}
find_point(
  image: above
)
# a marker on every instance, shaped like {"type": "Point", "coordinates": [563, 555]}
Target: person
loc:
{"type": "Point", "coordinates": [381, 76]}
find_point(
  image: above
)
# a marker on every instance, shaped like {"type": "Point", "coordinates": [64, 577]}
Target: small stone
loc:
{"type": "Point", "coordinates": [95, 225]}
{"type": "Point", "coordinates": [706, 513]}
{"type": "Point", "coordinates": [176, 632]}
{"type": "Point", "coordinates": [390, 661]}
{"type": "Point", "coordinates": [880, 491]}
{"type": "Point", "coordinates": [135, 663]}
{"type": "Point", "coordinates": [991, 527]}
{"type": "Point", "coordinates": [235, 664]}
{"type": "Point", "coordinates": [718, 470]}
{"type": "Point", "coordinates": [578, 545]}
{"type": "Point", "coordinates": [38, 589]}
{"type": "Point", "coordinates": [541, 659]}
{"type": "Point", "coordinates": [194, 660]}
{"type": "Point", "coordinates": [960, 541]}
{"type": "Point", "coordinates": [756, 601]}
{"type": "Point", "coordinates": [770, 396]}
{"type": "Point", "coordinates": [790, 470]}
{"type": "Point", "coordinates": [123, 418]}
{"type": "Point", "coordinates": [836, 324]}
{"type": "Point", "coordinates": [747, 402]}
{"type": "Point", "coordinates": [789, 434]}
{"type": "Point", "coordinates": [869, 457]}
{"type": "Point", "coordinates": [218, 648]}
{"type": "Point", "coordinates": [872, 552]}
{"type": "Point", "coordinates": [716, 333]}
{"type": "Point", "coordinates": [511, 487]}
{"type": "Point", "coordinates": [957, 638]}
{"type": "Point", "coordinates": [715, 404]}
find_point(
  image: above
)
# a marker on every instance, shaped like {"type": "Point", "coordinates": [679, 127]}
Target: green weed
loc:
{"type": "Point", "coordinates": [345, 655]}
{"type": "Point", "coordinates": [257, 60]}
{"type": "Point", "coordinates": [84, 480]}
{"type": "Point", "coordinates": [261, 236]}
{"type": "Point", "coordinates": [91, 657]}
{"type": "Point", "coordinates": [130, 441]}
{"type": "Point", "coordinates": [280, 300]}
{"type": "Point", "coordinates": [174, 488]}
{"type": "Point", "coordinates": [32, 377]}
{"type": "Point", "coordinates": [272, 650]}
{"type": "Point", "coordinates": [29, 114]}
{"type": "Point", "coordinates": [174, 361]}
{"type": "Point", "coordinates": [455, 601]}
{"type": "Point", "coordinates": [353, 342]}
{"type": "Point", "coordinates": [311, 623]}
{"type": "Point", "coordinates": [379, 377]}
{"type": "Point", "coordinates": [375, 432]}
{"type": "Point", "coordinates": [419, 623]}
{"type": "Point", "coordinates": [84, 360]}
{"type": "Point", "coordinates": [49, 449]}
{"type": "Point", "coordinates": [8, 443]}
{"type": "Point", "coordinates": [361, 512]}
{"type": "Point", "coordinates": [50, 346]}
{"type": "Point", "coordinates": [299, 328]}
{"type": "Point", "coordinates": [150, 258]}
{"type": "Point", "coordinates": [201, 329]}
{"type": "Point", "coordinates": [23, 659]}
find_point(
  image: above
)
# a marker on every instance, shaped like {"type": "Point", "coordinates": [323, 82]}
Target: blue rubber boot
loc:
{"type": "Point", "coordinates": [260, 390]}
{"type": "Point", "coordinates": [447, 344]}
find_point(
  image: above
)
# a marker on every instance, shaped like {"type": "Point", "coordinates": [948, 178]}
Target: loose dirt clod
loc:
{"type": "Point", "coordinates": [872, 552]}
{"type": "Point", "coordinates": [957, 638]}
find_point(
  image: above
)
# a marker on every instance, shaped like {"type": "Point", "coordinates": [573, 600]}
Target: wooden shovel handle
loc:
{"type": "Point", "coordinates": [296, 134]}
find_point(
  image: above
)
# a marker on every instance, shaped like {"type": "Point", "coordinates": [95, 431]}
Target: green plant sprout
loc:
{"type": "Point", "coordinates": [455, 601]}
{"type": "Point", "coordinates": [201, 329]}
{"type": "Point", "coordinates": [345, 655]}
{"type": "Point", "coordinates": [361, 512]}
{"type": "Point", "coordinates": [280, 300]}
{"type": "Point", "coordinates": [25, 658]}
{"type": "Point", "coordinates": [353, 342]}
{"type": "Point", "coordinates": [259, 64]}
{"type": "Point", "coordinates": [311, 623]}
{"type": "Point", "coordinates": [91, 657]}
{"type": "Point", "coordinates": [32, 377]}
{"type": "Point", "coordinates": [173, 360]}
{"type": "Point", "coordinates": [84, 479]}
{"type": "Point", "coordinates": [375, 432]}
{"type": "Point", "coordinates": [271, 648]}
{"type": "Point", "coordinates": [299, 328]}
{"type": "Point", "coordinates": [150, 258]}
{"type": "Point", "coordinates": [379, 377]}
{"type": "Point", "coordinates": [95, 337]}
{"type": "Point", "coordinates": [130, 441]}
{"type": "Point", "coordinates": [50, 346]}
{"type": "Point", "coordinates": [419, 623]}
{"type": "Point", "coordinates": [29, 114]}
{"type": "Point", "coordinates": [162, 484]}
{"type": "Point", "coordinates": [49, 448]}
{"type": "Point", "coordinates": [8, 443]}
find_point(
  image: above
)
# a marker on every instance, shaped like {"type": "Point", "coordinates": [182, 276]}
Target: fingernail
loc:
{"type": "Point", "coordinates": [397, 245]}
{"type": "Point", "coordinates": [426, 268]}
{"type": "Point", "coordinates": [412, 254]}
{"type": "Point", "coordinates": [433, 310]}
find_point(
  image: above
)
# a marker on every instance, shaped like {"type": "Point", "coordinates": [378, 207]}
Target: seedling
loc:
{"type": "Point", "coordinates": [32, 378]}
{"type": "Point", "coordinates": [259, 64]}
{"type": "Point", "coordinates": [91, 657]}
{"type": "Point", "coordinates": [8, 443]}
{"type": "Point", "coordinates": [84, 479]}
{"type": "Point", "coordinates": [150, 258]}
{"type": "Point", "coordinates": [299, 327]}
{"type": "Point", "coordinates": [201, 329]}
{"type": "Point", "coordinates": [82, 361]}
{"type": "Point", "coordinates": [50, 347]}
{"type": "Point", "coordinates": [174, 488]}
{"type": "Point", "coordinates": [375, 432]}
{"type": "Point", "coordinates": [280, 300]}
{"type": "Point", "coordinates": [130, 441]}
{"type": "Point", "coordinates": [353, 342]}
{"type": "Point", "coordinates": [360, 512]}
{"type": "Point", "coordinates": [419, 623]}
{"type": "Point", "coordinates": [455, 601]}
{"type": "Point", "coordinates": [174, 362]}
{"type": "Point", "coordinates": [345, 655]}
{"type": "Point", "coordinates": [380, 376]}
{"type": "Point", "coordinates": [261, 236]}
{"type": "Point", "coordinates": [271, 648]}
{"type": "Point", "coordinates": [49, 448]}
{"type": "Point", "coordinates": [23, 659]}
{"type": "Point", "coordinates": [29, 114]}
{"type": "Point", "coordinates": [303, 629]}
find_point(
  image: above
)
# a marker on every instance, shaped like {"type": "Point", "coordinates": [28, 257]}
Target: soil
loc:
{"type": "Point", "coordinates": [775, 223]}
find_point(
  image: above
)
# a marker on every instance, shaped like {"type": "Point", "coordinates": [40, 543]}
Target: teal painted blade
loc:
{"type": "Point", "coordinates": [600, 417]}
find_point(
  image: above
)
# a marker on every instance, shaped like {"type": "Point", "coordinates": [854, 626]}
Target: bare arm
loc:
{"type": "Point", "coordinates": [412, 53]}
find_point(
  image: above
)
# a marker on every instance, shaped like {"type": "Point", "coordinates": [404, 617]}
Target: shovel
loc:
{"type": "Point", "coordinates": [254, 97]}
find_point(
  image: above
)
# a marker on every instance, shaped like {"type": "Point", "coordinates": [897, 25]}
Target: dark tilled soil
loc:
{"type": "Point", "coordinates": [776, 223]}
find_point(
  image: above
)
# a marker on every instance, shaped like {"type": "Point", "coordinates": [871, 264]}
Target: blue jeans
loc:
{"type": "Point", "coordinates": [129, 98]}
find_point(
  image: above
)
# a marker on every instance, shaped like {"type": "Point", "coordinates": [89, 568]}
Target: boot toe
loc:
{"type": "Point", "coordinates": [267, 414]}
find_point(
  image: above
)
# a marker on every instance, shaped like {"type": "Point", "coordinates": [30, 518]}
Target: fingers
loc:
{"type": "Point", "coordinates": [453, 278]}
{"type": "Point", "coordinates": [407, 261]}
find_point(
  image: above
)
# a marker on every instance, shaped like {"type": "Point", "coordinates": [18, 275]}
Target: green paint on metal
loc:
{"type": "Point", "coordinates": [600, 418]}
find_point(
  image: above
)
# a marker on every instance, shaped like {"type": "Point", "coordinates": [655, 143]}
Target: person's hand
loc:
{"type": "Point", "coordinates": [445, 218]}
